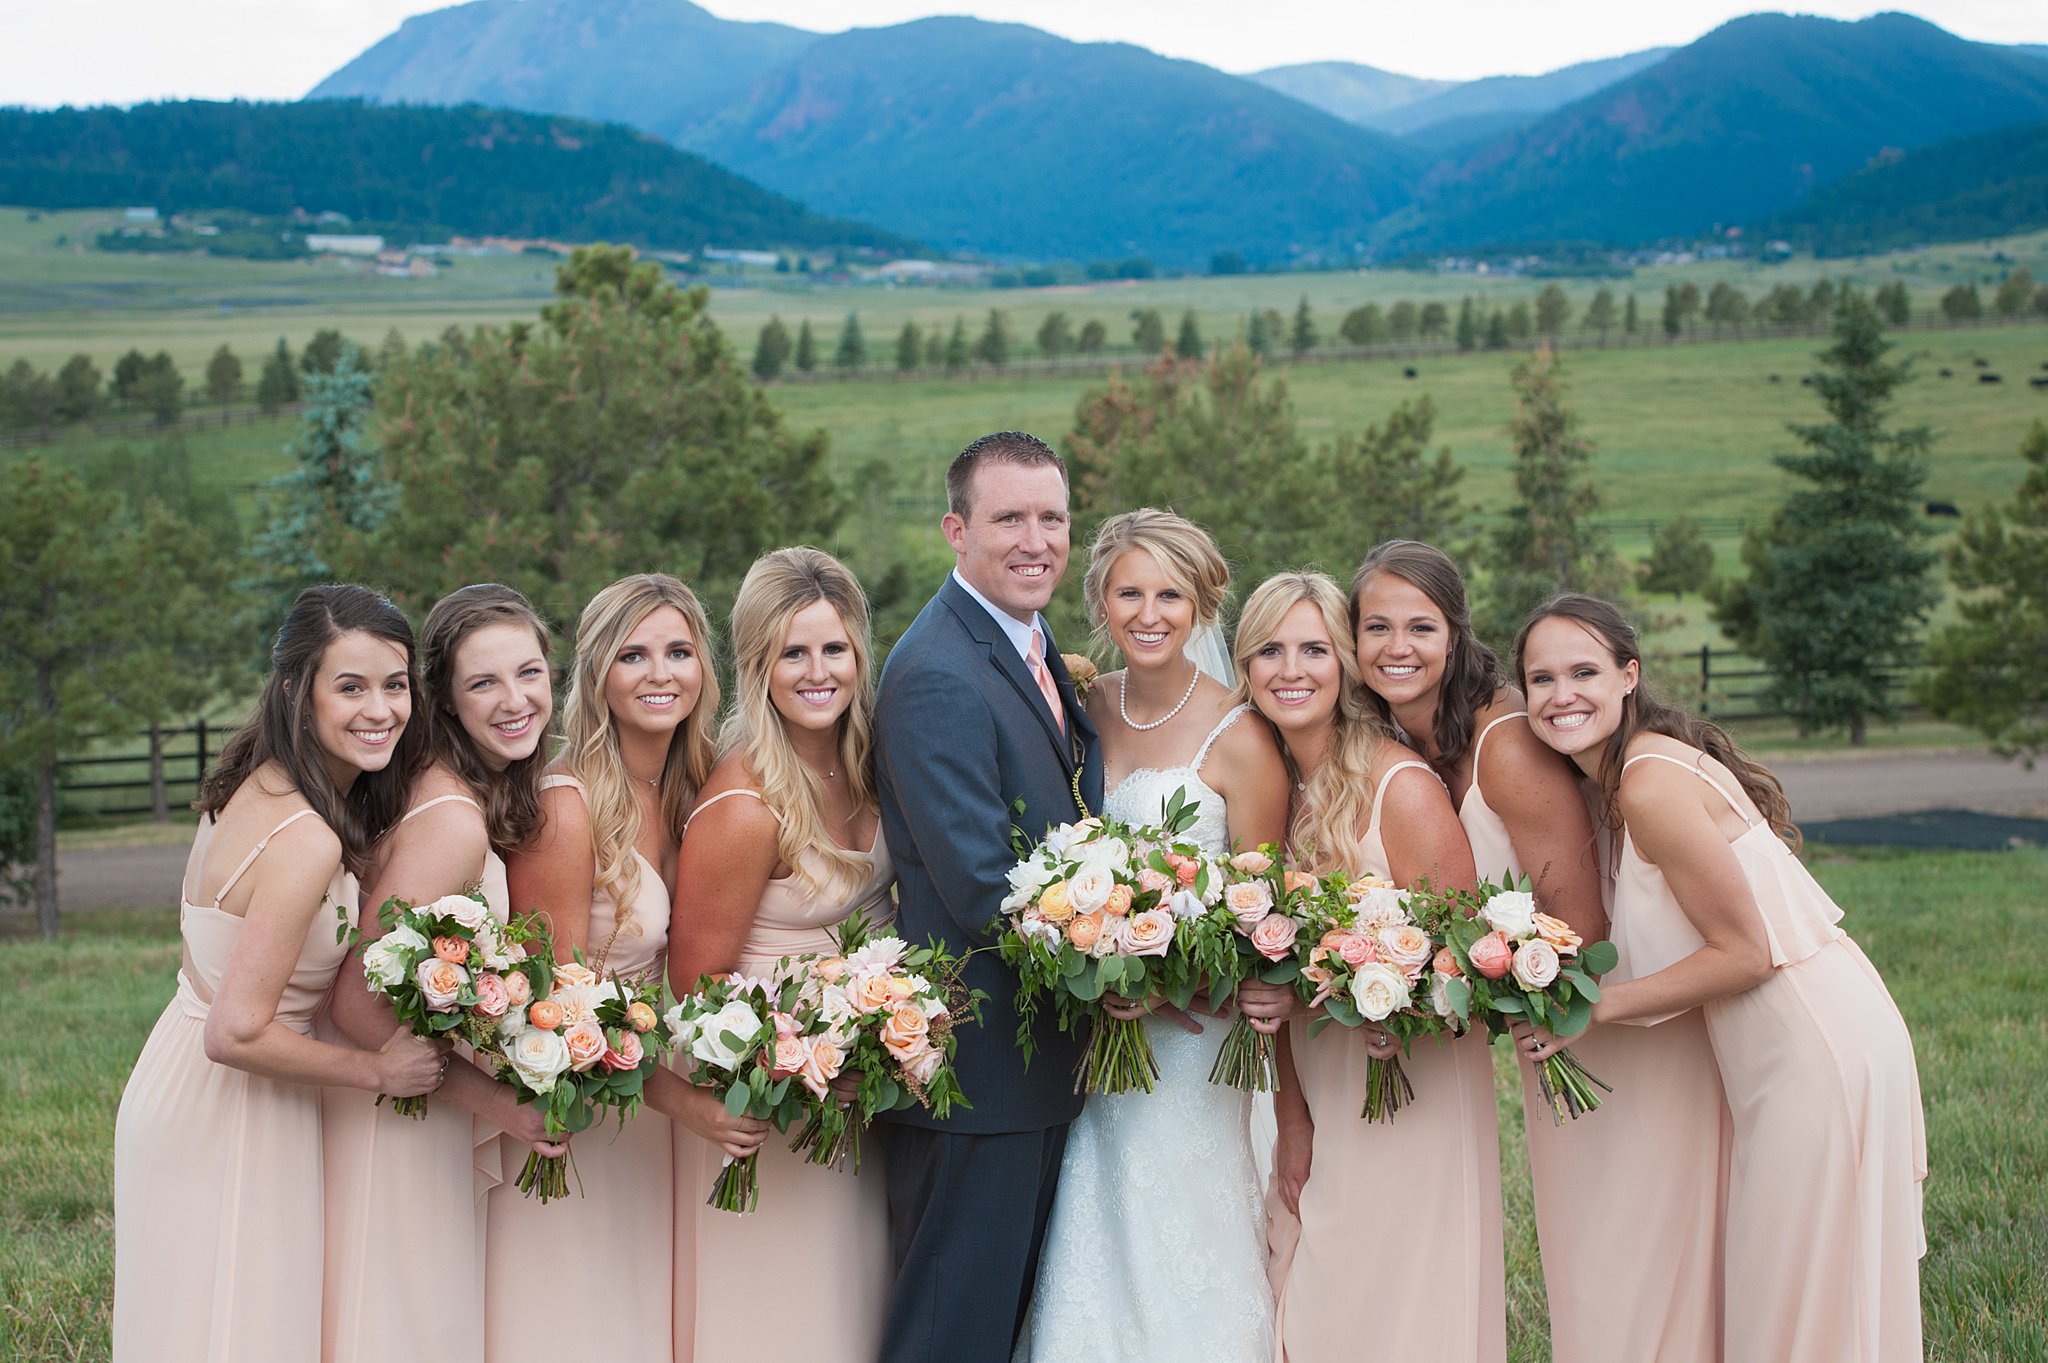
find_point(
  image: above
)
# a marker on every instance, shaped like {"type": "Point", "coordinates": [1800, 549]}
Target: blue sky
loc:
{"type": "Point", "coordinates": [122, 51]}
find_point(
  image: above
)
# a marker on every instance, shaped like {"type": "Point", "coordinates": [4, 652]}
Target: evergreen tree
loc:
{"type": "Point", "coordinates": [993, 345]}
{"type": "Point", "coordinates": [1631, 321]}
{"type": "Point", "coordinates": [1497, 331]}
{"type": "Point", "coordinates": [2015, 295]}
{"type": "Point", "coordinates": [1055, 335]}
{"type": "Point", "coordinates": [1436, 320]}
{"type": "Point", "coordinates": [935, 347]}
{"type": "Point", "coordinates": [1553, 309]}
{"type": "Point", "coordinates": [853, 347]}
{"type": "Point", "coordinates": [1726, 306]}
{"type": "Point", "coordinates": [1302, 337]}
{"type": "Point", "coordinates": [223, 376]}
{"type": "Point", "coordinates": [28, 400]}
{"type": "Point", "coordinates": [1838, 583]}
{"type": "Point", "coordinates": [1388, 485]}
{"type": "Point", "coordinates": [771, 349]}
{"type": "Point", "coordinates": [279, 382]}
{"type": "Point", "coordinates": [1672, 319]}
{"type": "Point", "coordinates": [1149, 333]}
{"type": "Point", "coordinates": [1990, 669]}
{"type": "Point", "coordinates": [1550, 542]}
{"type": "Point", "coordinates": [391, 350]}
{"type": "Point", "coordinates": [1600, 316]}
{"type": "Point", "coordinates": [1188, 342]}
{"type": "Point", "coordinates": [78, 389]}
{"type": "Point", "coordinates": [333, 493]}
{"type": "Point", "coordinates": [806, 348]}
{"type": "Point", "coordinates": [161, 389]}
{"type": "Point", "coordinates": [1520, 324]}
{"type": "Point", "coordinates": [1820, 299]}
{"type": "Point", "coordinates": [1680, 558]}
{"type": "Point", "coordinates": [958, 351]}
{"type": "Point", "coordinates": [128, 372]}
{"type": "Point", "coordinates": [1893, 303]}
{"type": "Point", "coordinates": [1468, 326]}
{"type": "Point", "coordinates": [1403, 321]}
{"type": "Point", "coordinates": [909, 347]}
{"type": "Point", "coordinates": [1255, 338]}
{"type": "Point", "coordinates": [323, 352]}
{"type": "Point", "coordinates": [1094, 336]}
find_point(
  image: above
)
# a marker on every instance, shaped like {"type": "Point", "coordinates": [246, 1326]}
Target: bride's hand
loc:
{"type": "Point", "coordinates": [1124, 1010]}
{"type": "Point", "coordinates": [1267, 1006]}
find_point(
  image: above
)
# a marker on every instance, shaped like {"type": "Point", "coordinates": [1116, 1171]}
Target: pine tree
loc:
{"type": "Point", "coordinates": [161, 389]}
{"type": "Point", "coordinates": [78, 389]}
{"type": "Point", "coordinates": [334, 492]}
{"type": "Point", "coordinates": [1990, 669]}
{"type": "Point", "coordinates": [1497, 331]}
{"type": "Point", "coordinates": [1520, 324]}
{"type": "Point", "coordinates": [1149, 333]}
{"type": "Point", "coordinates": [853, 347]}
{"type": "Point", "coordinates": [771, 349]}
{"type": "Point", "coordinates": [1468, 326]}
{"type": "Point", "coordinates": [1302, 336]}
{"type": "Point", "coordinates": [1436, 320]}
{"type": "Point", "coordinates": [1838, 583]}
{"type": "Point", "coordinates": [909, 347]}
{"type": "Point", "coordinates": [1600, 314]}
{"type": "Point", "coordinates": [993, 345]}
{"type": "Point", "coordinates": [958, 351]}
{"type": "Point", "coordinates": [223, 376]}
{"type": "Point", "coordinates": [323, 352]}
{"type": "Point", "coordinates": [2015, 295]}
{"type": "Point", "coordinates": [1055, 335]}
{"type": "Point", "coordinates": [1553, 309]}
{"type": "Point", "coordinates": [1188, 343]}
{"type": "Point", "coordinates": [1403, 321]}
{"type": "Point", "coordinates": [806, 348]}
{"type": "Point", "coordinates": [1680, 558]}
{"type": "Point", "coordinates": [1255, 338]}
{"type": "Point", "coordinates": [1894, 303]}
{"type": "Point", "coordinates": [1631, 322]}
{"type": "Point", "coordinates": [279, 382]}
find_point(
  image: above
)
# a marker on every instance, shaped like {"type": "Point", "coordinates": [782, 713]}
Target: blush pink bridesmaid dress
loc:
{"type": "Point", "coordinates": [217, 1183]}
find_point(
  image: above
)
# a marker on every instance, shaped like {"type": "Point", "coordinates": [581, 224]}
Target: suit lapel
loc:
{"type": "Point", "coordinates": [975, 619]}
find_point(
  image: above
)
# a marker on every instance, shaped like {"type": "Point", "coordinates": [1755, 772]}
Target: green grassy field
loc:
{"type": "Point", "coordinates": [1957, 936]}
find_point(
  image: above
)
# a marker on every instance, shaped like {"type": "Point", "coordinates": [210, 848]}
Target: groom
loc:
{"type": "Point", "coordinates": [977, 713]}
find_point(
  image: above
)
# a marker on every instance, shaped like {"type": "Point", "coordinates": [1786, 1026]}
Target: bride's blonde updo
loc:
{"type": "Point", "coordinates": [1184, 551]}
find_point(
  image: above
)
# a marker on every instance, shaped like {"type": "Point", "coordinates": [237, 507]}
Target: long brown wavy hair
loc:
{"type": "Point", "coordinates": [1642, 712]}
{"type": "Point", "coordinates": [282, 731]}
{"type": "Point", "coordinates": [510, 798]}
{"type": "Point", "coordinates": [1472, 671]}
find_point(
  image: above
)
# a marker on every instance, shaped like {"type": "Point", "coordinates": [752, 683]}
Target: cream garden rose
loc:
{"type": "Point", "coordinates": [539, 1059]}
{"type": "Point", "coordinates": [1380, 991]}
{"type": "Point", "coordinates": [1536, 964]}
{"type": "Point", "coordinates": [1512, 912]}
{"type": "Point", "coordinates": [710, 1046]}
{"type": "Point", "coordinates": [1089, 888]}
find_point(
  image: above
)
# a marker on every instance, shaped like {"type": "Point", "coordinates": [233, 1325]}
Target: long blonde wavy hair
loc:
{"type": "Point", "coordinates": [776, 589]}
{"type": "Point", "coordinates": [590, 748]}
{"type": "Point", "coordinates": [1329, 814]}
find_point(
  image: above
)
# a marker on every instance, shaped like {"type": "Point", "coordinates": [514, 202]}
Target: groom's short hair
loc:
{"type": "Point", "coordinates": [1001, 447]}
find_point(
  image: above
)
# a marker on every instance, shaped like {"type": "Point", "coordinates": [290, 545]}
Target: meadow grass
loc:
{"type": "Point", "coordinates": [1957, 935]}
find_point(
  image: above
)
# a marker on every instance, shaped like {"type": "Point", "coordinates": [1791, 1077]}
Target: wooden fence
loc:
{"type": "Point", "coordinates": [160, 775]}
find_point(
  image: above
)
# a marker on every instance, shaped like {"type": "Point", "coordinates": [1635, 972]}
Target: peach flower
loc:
{"type": "Point", "coordinates": [1149, 933]}
{"type": "Point", "coordinates": [786, 1057]}
{"type": "Point", "coordinates": [1154, 882]}
{"type": "Point", "coordinates": [1119, 902]}
{"type": "Point", "coordinates": [453, 950]}
{"type": "Point", "coordinates": [923, 1066]}
{"type": "Point", "coordinates": [1083, 930]}
{"type": "Point", "coordinates": [574, 973]}
{"type": "Point", "coordinates": [831, 970]}
{"type": "Point", "coordinates": [1559, 934]}
{"type": "Point", "coordinates": [640, 1016]}
{"type": "Point", "coordinates": [518, 989]}
{"type": "Point", "coordinates": [1055, 903]}
{"type": "Point", "coordinates": [545, 1015]}
{"type": "Point", "coordinates": [1492, 955]}
{"type": "Point", "coordinates": [586, 1044]}
{"type": "Point", "coordinates": [1273, 937]}
{"type": "Point", "coordinates": [1446, 963]}
{"type": "Point", "coordinates": [1184, 869]}
{"type": "Point", "coordinates": [1254, 863]}
{"type": "Point", "coordinates": [822, 1062]}
{"type": "Point", "coordinates": [491, 999]}
{"type": "Point", "coordinates": [1405, 945]}
{"type": "Point", "coordinates": [625, 1052]}
{"type": "Point", "coordinates": [440, 983]}
{"type": "Point", "coordinates": [869, 993]}
{"type": "Point", "coordinates": [906, 1033]}
{"type": "Point", "coordinates": [900, 987]}
{"type": "Point", "coordinates": [1298, 880]}
{"type": "Point", "coordinates": [1248, 901]}
{"type": "Point", "coordinates": [1357, 949]}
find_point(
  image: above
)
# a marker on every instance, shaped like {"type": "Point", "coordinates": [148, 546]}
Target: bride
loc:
{"type": "Point", "coordinates": [1156, 1248]}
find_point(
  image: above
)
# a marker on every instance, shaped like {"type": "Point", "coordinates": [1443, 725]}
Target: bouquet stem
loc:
{"type": "Point", "coordinates": [1568, 1087]}
{"type": "Point", "coordinates": [1247, 1060]}
{"type": "Point", "coordinates": [545, 1176]}
{"type": "Point", "coordinates": [414, 1107]}
{"type": "Point", "coordinates": [1387, 1089]}
{"type": "Point", "coordinates": [831, 1137]}
{"type": "Point", "coordinates": [1119, 1059]}
{"type": "Point", "coordinates": [738, 1188]}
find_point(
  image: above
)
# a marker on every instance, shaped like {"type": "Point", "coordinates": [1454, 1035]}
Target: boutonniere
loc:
{"type": "Point", "coordinates": [1082, 672]}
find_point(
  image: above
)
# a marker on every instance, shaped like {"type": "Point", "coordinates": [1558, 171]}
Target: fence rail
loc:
{"type": "Point", "coordinates": [1733, 686]}
{"type": "Point", "coordinates": [163, 774]}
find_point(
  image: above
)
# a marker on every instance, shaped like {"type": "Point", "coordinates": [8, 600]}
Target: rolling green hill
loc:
{"type": "Point", "coordinates": [1989, 185]}
{"type": "Point", "coordinates": [428, 171]}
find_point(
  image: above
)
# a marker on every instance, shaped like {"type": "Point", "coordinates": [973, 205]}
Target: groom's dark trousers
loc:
{"type": "Point", "coordinates": [962, 735]}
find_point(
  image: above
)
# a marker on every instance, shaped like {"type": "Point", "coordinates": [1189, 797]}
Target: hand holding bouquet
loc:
{"type": "Point", "coordinates": [1503, 963]}
{"type": "Point", "coordinates": [1257, 926]}
{"type": "Point", "coordinates": [744, 1038]}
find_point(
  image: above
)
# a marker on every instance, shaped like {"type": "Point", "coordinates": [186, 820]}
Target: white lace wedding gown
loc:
{"type": "Point", "coordinates": [1157, 1246]}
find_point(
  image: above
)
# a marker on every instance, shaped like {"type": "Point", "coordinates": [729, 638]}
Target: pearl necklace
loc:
{"type": "Point", "coordinates": [1123, 690]}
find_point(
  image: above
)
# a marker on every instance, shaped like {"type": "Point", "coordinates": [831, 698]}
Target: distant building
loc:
{"type": "Point", "coordinates": [927, 272]}
{"type": "Point", "coordinates": [765, 259]}
{"type": "Point", "coordinates": [338, 244]}
{"type": "Point", "coordinates": [140, 215]}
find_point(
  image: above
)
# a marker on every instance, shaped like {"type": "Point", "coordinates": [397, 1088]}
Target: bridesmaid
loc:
{"type": "Point", "coordinates": [217, 1185]}
{"type": "Point", "coordinates": [1713, 911]}
{"type": "Point", "coordinates": [637, 748]}
{"type": "Point", "coordinates": [1630, 1192]}
{"type": "Point", "coordinates": [1424, 1188]}
{"type": "Point", "coordinates": [395, 1186]}
{"type": "Point", "coordinates": [785, 845]}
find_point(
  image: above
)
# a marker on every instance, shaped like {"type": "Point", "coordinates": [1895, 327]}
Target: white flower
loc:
{"type": "Point", "coordinates": [1110, 940]}
{"type": "Point", "coordinates": [579, 1002]}
{"type": "Point", "coordinates": [1058, 840]}
{"type": "Point", "coordinates": [512, 1024]}
{"type": "Point", "coordinates": [1185, 904]}
{"type": "Point", "coordinates": [881, 954]}
{"type": "Point", "coordinates": [838, 1010]}
{"type": "Point", "coordinates": [1213, 882]}
{"type": "Point", "coordinates": [1439, 996]}
{"type": "Point", "coordinates": [1379, 990]}
{"type": "Point", "coordinates": [710, 1045]}
{"type": "Point", "coordinates": [538, 1058]}
{"type": "Point", "coordinates": [1029, 877]}
{"type": "Point", "coordinates": [464, 909]}
{"type": "Point", "coordinates": [1111, 854]}
{"type": "Point", "coordinates": [1535, 963]}
{"type": "Point", "coordinates": [932, 1006]}
{"type": "Point", "coordinates": [1381, 906]}
{"type": "Point", "coordinates": [682, 1028]}
{"type": "Point", "coordinates": [1089, 888]}
{"type": "Point", "coordinates": [1512, 912]}
{"type": "Point", "coordinates": [384, 959]}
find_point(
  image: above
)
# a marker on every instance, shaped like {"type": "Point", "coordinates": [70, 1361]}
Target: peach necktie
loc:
{"type": "Point", "coordinates": [1042, 674]}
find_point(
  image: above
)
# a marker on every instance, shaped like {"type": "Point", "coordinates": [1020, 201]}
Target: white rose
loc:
{"type": "Point", "coordinates": [710, 1045]}
{"type": "Point", "coordinates": [1379, 990]}
{"type": "Point", "coordinates": [1512, 912]}
{"type": "Point", "coordinates": [1089, 888]}
{"type": "Point", "coordinates": [439, 1000]}
{"type": "Point", "coordinates": [1111, 854]}
{"type": "Point", "coordinates": [512, 1024]}
{"type": "Point", "coordinates": [1535, 963]}
{"type": "Point", "coordinates": [1027, 878]}
{"type": "Point", "coordinates": [1214, 882]}
{"type": "Point", "coordinates": [384, 962]}
{"type": "Point", "coordinates": [1059, 840]}
{"type": "Point", "coordinates": [538, 1058]}
{"type": "Point", "coordinates": [462, 908]}
{"type": "Point", "coordinates": [404, 938]}
{"type": "Point", "coordinates": [838, 1010]}
{"type": "Point", "coordinates": [1439, 997]}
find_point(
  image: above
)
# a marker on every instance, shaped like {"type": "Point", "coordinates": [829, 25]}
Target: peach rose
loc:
{"type": "Point", "coordinates": [784, 1024]}
{"type": "Point", "coordinates": [625, 1051]}
{"type": "Point", "coordinates": [440, 983]}
{"type": "Point", "coordinates": [1184, 869]}
{"type": "Point", "coordinates": [518, 989]}
{"type": "Point", "coordinates": [1273, 937]}
{"type": "Point", "coordinates": [831, 970]}
{"type": "Point", "coordinates": [1119, 902]}
{"type": "Point", "coordinates": [1055, 903]}
{"type": "Point", "coordinates": [1248, 901]}
{"type": "Point", "coordinates": [1492, 955]}
{"type": "Point", "coordinates": [586, 1044]}
{"type": "Point", "coordinates": [1298, 880]}
{"type": "Point", "coordinates": [1333, 938]}
{"type": "Point", "coordinates": [1357, 949]}
{"type": "Point", "coordinates": [1083, 930]}
{"type": "Point", "coordinates": [574, 973]}
{"type": "Point", "coordinates": [1252, 863]}
{"type": "Point", "coordinates": [640, 1016]}
{"type": "Point", "coordinates": [491, 1000]}
{"type": "Point", "coordinates": [453, 950]}
{"type": "Point", "coordinates": [900, 987]}
{"type": "Point", "coordinates": [1149, 933]}
{"type": "Point", "coordinates": [1559, 934]}
{"type": "Point", "coordinates": [906, 1033]}
{"type": "Point", "coordinates": [869, 993]}
{"type": "Point", "coordinates": [1154, 882]}
{"type": "Point", "coordinates": [1405, 945]}
{"type": "Point", "coordinates": [1536, 964]}
{"type": "Point", "coordinates": [822, 1063]}
{"type": "Point", "coordinates": [545, 1015]}
{"type": "Point", "coordinates": [786, 1057]}
{"type": "Point", "coordinates": [923, 1066]}
{"type": "Point", "coordinates": [1446, 963]}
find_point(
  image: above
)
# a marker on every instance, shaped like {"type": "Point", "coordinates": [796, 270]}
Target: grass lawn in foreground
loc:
{"type": "Point", "coordinates": [1957, 936]}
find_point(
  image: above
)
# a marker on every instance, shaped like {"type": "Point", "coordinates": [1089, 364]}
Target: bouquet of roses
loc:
{"type": "Point", "coordinates": [582, 1043]}
{"type": "Point", "coordinates": [1503, 962]}
{"type": "Point", "coordinates": [752, 1041]}
{"type": "Point", "coordinates": [1257, 925]}
{"type": "Point", "coordinates": [1362, 953]}
{"type": "Point", "coordinates": [888, 1010]}
{"type": "Point", "coordinates": [1099, 907]}
{"type": "Point", "coordinates": [450, 970]}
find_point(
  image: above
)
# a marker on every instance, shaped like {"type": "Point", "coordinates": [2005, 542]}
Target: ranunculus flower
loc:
{"type": "Point", "coordinates": [538, 1058]}
{"type": "Point", "coordinates": [1512, 912]}
{"type": "Point", "coordinates": [822, 1063]}
{"type": "Point", "coordinates": [491, 1000]}
{"type": "Point", "coordinates": [785, 1057]}
{"type": "Point", "coordinates": [1109, 939]}
{"type": "Point", "coordinates": [453, 950]}
{"type": "Point", "coordinates": [1119, 902]}
{"type": "Point", "coordinates": [1248, 901]}
{"type": "Point", "coordinates": [906, 1032]}
{"type": "Point", "coordinates": [1154, 882]}
{"type": "Point", "coordinates": [1184, 869]}
{"type": "Point", "coordinates": [1056, 903]}
{"type": "Point", "coordinates": [1405, 944]}
{"type": "Point", "coordinates": [1253, 863]}
{"type": "Point", "coordinates": [869, 993]}
{"type": "Point", "coordinates": [923, 1066]}
{"type": "Point", "coordinates": [573, 974]}
{"type": "Point", "coordinates": [586, 1044]}
{"type": "Point", "coordinates": [465, 909]}
{"type": "Point", "coordinates": [1298, 880]}
{"type": "Point", "coordinates": [1445, 962]}
{"type": "Point", "coordinates": [1083, 929]}
{"type": "Point", "coordinates": [625, 1052]}
{"type": "Point", "coordinates": [1380, 991]}
{"type": "Point", "coordinates": [1357, 949]}
{"type": "Point", "coordinates": [1492, 955]}
{"type": "Point", "coordinates": [1089, 888]}
{"type": "Point", "coordinates": [518, 989]}
{"type": "Point", "coordinates": [640, 1015]}
{"type": "Point", "coordinates": [440, 983]}
{"type": "Point", "coordinates": [1149, 933]}
{"type": "Point", "coordinates": [710, 1045]}
{"type": "Point", "coordinates": [1535, 963]}
{"type": "Point", "coordinates": [1558, 933]}
{"type": "Point", "coordinates": [1273, 936]}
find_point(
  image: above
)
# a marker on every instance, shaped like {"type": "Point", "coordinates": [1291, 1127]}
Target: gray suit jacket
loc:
{"type": "Point", "coordinates": [962, 732]}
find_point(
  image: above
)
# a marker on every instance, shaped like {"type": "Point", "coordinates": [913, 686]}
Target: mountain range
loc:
{"type": "Point", "coordinates": [1003, 139]}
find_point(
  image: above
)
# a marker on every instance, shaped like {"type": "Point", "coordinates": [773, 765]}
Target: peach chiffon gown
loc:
{"type": "Point", "coordinates": [217, 1214]}
{"type": "Point", "coordinates": [604, 1254]}
{"type": "Point", "coordinates": [405, 1208]}
{"type": "Point", "coordinates": [1401, 1218]}
{"type": "Point", "coordinates": [1631, 1192]}
{"type": "Point", "coordinates": [1829, 1150]}
{"type": "Point", "coordinates": [826, 1230]}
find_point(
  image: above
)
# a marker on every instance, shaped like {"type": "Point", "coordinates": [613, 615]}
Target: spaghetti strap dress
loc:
{"type": "Point", "coordinates": [217, 1202]}
{"type": "Point", "coordinates": [405, 1207]}
{"type": "Point", "coordinates": [826, 1230]}
{"type": "Point", "coordinates": [1829, 1150]}
{"type": "Point", "coordinates": [1406, 1213]}
{"type": "Point", "coordinates": [605, 1252]}
{"type": "Point", "coordinates": [1631, 1192]}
